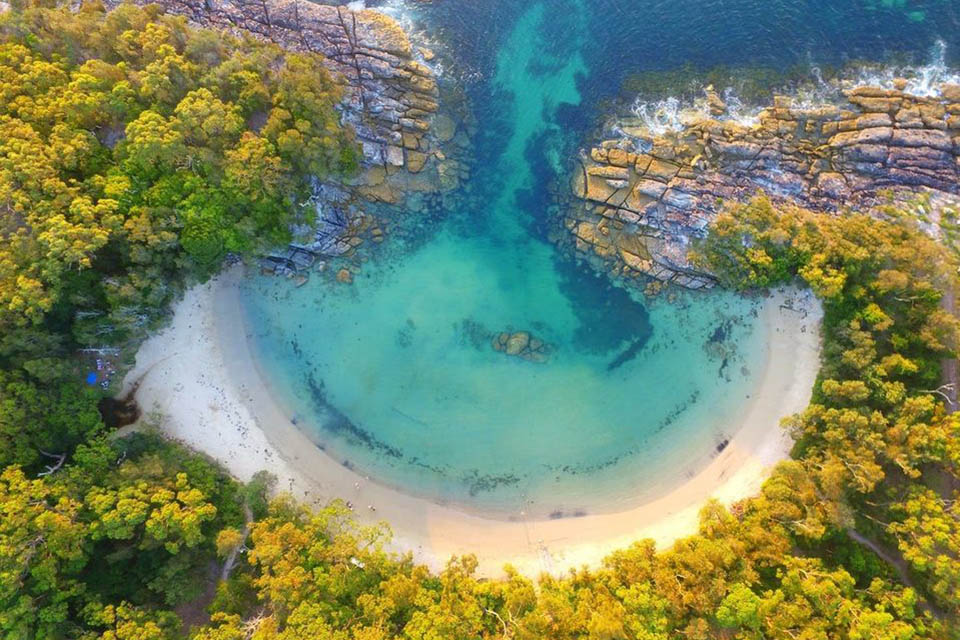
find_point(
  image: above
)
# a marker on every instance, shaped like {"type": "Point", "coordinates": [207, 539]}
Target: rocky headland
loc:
{"type": "Point", "coordinates": [413, 135]}
{"type": "Point", "coordinates": [391, 98]}
{"type": "Point", "coordinates": [640, 200]}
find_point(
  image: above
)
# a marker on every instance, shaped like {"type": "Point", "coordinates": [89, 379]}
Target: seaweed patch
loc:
{"type": "Point", "coordinates": [339, 424]}
{"type": "Point", "coordinates": [683, 406]}
{"type": "Point", "coordinates": [474, 333]}
{"type": "Point", "coordinates": [477, 483]}
{"type": "Point", "coordinates": [405, 334]}
{"type": "Point", "coordinates": [627, 354]}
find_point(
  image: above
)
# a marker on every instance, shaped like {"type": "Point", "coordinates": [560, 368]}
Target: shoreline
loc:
{"type": "Point", "coordinates": [200, 374]}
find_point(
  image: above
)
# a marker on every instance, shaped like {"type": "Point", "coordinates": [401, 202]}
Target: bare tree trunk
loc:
{"type": "Point", "coordinates": [51, 469]}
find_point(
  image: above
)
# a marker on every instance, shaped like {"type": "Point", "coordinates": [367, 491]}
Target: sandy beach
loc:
{"type": "Point", "coordinates": [200, 379]}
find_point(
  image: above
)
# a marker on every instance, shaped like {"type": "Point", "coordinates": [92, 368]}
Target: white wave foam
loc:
{"type": "Point", "coordinates": [660, 117]}
{"type": "Point", "coordinates": [407, 17]}
{"type": "Point", "coordinates": [922, 81]}
{"type": "Point", "coordinates": [399, 11]}
{"type": "Point", "coordinates": [739, 112]}
{"type": "Point", "coordinates": [815, 92]}
{"type": "Point", "coordinates": [672, 115]}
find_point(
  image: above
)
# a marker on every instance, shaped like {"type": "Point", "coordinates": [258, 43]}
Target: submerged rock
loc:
{"type": "Point", "coordinates": [444, 127]}
{"type": "Point", "coordinates": [416, 161]}
{"type": "Point", "coordinates": [517, 343]}
{"type": "Point", "coordinates": [640, 201]}
{"type": "Point", "coordinates": [522, 345]}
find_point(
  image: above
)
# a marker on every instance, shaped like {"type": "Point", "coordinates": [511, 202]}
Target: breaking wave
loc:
{"type": "Point", "coordinates": [660, 117]}
{"type": "Point", "coordinates": [652, 118]}
{"type": "Point", "coordinates": [921, 81]}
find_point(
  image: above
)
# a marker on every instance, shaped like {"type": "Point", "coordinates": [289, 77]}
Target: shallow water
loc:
{"type": "Point", "coordinates": [399, 374]}
{"type": "Point", "coordinates": [396, 376]}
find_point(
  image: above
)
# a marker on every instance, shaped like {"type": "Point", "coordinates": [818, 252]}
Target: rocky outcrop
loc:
{"type": "Point", "coordinates": [390, 95]}
{"type": "Point", "coordinates": [521, 345]}
{"type": "Point", "coordinates": [641, 200]}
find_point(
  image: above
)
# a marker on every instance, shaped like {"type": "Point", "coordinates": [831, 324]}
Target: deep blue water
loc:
{"type": "Point", "coordinates": [625, 36]}
{"type": "Point", "coordinates": [395, 374]}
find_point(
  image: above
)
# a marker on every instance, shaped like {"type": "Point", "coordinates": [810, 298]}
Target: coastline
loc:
{"type": "Point", "coordinates": [200, 375]}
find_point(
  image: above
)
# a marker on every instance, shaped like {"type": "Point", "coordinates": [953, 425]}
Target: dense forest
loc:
{"type": "Point", "coordinates": [137, 153]}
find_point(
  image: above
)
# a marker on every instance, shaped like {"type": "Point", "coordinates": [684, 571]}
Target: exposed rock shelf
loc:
{"type": "Point", "coordinates": [641, 199]}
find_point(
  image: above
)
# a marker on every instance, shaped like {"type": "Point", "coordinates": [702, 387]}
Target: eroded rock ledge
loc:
{"type": "Point", "coordinates": [390, 96]}
{"type": "Point", "coordinates": [641, 200]}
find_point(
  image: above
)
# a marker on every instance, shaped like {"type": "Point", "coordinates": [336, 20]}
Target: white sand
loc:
{"type": "Point", "coordinates": [199, 375]}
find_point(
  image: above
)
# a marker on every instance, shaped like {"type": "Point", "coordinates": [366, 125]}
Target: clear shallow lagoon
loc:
{"type": "Point", "coordinates": [395, 374]}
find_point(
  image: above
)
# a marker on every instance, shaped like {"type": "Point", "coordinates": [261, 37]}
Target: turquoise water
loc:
{"type": "Point", "coordinates": [395, 375]}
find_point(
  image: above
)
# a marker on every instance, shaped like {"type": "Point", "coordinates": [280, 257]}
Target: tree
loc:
{"type": "Point", "coordinates": [39, 420]}
{"type": "Point", "coordinates": [812, 601]}
{"type": "Point", "coordinates": [128, 622]}
{"type": "Point", "coordinates": [42, 552]}
{"type": "Point", "coordinates": [928, 534]}
{"type": "Point", "coordinates": [133, 144]}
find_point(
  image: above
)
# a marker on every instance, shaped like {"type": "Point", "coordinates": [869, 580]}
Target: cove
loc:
{"type": "Point", "coordinates": [396, 375]}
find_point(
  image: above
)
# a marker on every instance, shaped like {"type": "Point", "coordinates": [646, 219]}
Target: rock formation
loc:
{"type": "Point", "coordinates": [641, 200]}
{"type": "Point", "coordinates": [521, 345]}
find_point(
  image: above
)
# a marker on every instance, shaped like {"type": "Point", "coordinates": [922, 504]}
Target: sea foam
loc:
{"type": "Point", "coordinates": [654, 118]}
